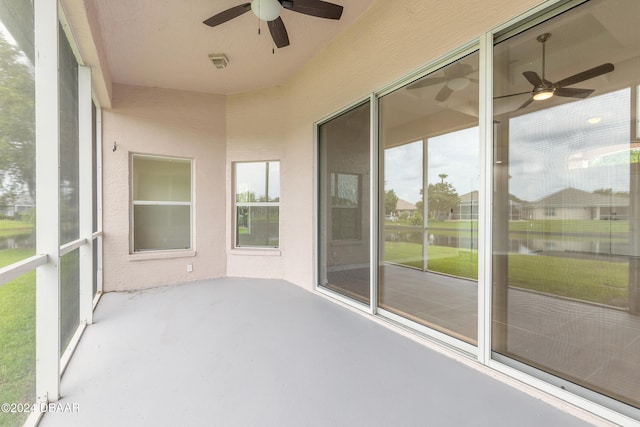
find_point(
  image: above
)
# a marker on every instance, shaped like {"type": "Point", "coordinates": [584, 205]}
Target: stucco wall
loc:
{"type": "Point", "coordinates": [168, 123]}
{"type": "Point", "coordinates": [392, 39]}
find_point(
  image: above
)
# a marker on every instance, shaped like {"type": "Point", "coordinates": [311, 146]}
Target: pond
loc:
{"type": "Point", "coordinates": [609, 244]}
{"type": "Point", "coordinates": [21, 241]}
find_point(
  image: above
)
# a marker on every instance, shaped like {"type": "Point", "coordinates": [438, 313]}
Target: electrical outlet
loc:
{"type": "Point", "coordinates": [189, 268]}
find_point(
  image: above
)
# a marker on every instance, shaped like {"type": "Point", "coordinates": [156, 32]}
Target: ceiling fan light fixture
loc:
{"type": "Point", "coordinates": [458, 83]}
{"type": "Point", "coordinates": [543, 94]}
{"type": "Point", "coordinates": [266, 10]}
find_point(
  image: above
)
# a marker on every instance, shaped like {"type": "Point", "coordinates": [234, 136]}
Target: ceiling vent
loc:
{"type": "Point", "coordinates": [219, 60]}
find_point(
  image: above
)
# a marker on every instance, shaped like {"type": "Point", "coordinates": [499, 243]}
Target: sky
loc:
{"type": "Point", "coordinates": [455, 154]}
{"type": "Point", "coordinates": [569, 145]}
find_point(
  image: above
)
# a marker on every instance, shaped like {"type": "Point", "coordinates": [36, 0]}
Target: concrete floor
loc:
{"type": "Point", "coordinates": [247, 352]}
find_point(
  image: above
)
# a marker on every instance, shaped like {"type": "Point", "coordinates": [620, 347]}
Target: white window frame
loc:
{"type": "Point", "coordinates": [134, 203]}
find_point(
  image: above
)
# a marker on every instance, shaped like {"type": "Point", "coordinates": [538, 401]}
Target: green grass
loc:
{"type": "Point", "coordinates": [587, 280]}
{"type": "Point", "coordinates": [17, 338]}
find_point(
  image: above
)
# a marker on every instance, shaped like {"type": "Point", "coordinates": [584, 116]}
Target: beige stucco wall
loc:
{"type": "Point", "coordinates": [393, 39]}
{"type": "Point", "coordinates": [390, 41]}
{"type": "Point", "coordinates": [168, 123]}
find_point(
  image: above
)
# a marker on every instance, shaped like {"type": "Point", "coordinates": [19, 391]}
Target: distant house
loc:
{"type": "Point", "coordinates": [468, 207]}
{"type": "Point", "coordinates": [403, 209]}
{"type": "Point", "coordinates": [572, 203]}
{"type": "Point", "coordinates": [23, 205]}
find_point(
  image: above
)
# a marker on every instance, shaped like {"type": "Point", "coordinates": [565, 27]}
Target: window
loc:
{"type": "Point", "coordinates": [161, 212]}
{"type": "Point", "coordinates": [345, 206]}
{"type": "Point", "coordinates": [257, 204]}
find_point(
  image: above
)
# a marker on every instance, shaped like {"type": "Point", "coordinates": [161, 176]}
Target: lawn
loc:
{"type": "Point", "coordinates": [17, 338]}
{"type": "Point", "coordinates": [588, 280]}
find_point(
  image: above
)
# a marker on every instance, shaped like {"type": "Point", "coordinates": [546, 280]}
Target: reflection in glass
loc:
{"type": "Point", "coordinates": [428, 245]}
{"type": "Point", "coordinates": [566, 296]}
{"type": "Point", "coordinates": [344, 205]}
{"type": "Point", "coordinates": [17, 206]}
{"type": "Point", "coordinates": [257, 189]}
{"type": "Point", "coordinates": [258, 226]}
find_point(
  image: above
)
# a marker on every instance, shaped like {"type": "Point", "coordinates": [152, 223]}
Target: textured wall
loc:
{"type": "Point", "coordinates": [169, 123]}
{"type": "Point", "coordinates": [392, 39]}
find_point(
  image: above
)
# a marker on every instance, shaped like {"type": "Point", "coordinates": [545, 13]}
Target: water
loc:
{"type": "Point", "coordinates": [522, 243]}
{"type": "Point", "coordinates": [22, 241]}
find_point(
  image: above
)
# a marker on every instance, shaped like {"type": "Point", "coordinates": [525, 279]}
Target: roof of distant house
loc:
{"type": "Point", "coordinates": [403, 205]}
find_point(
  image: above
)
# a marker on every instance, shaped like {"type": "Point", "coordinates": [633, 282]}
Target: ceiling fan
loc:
{"type": "Point", "coordinates": [455, 78]}
{"type": "Point", "coordinates": [544, 89]}
{"type": "Point", "coordinates": [269, 10]}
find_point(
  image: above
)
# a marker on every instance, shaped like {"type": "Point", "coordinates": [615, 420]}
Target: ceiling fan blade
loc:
{"type": "Point", "coordinates": [458, 69]}
{"type": "Point", "coordinates": [511, 94]}
{"type": "Point", "coordinates": [586, 75]}
{"type": "Point", "coordinates": [318, 8]}
{"type": "Point", "coordinates": [444, 93]}
{"type": "Point", "coordinates": [427, 82]}
{"type": "Point", "coordinates": [526, 103]}
{"type": "Point", "coordinates": [278, 32]}
{"type": "Point", "coordinates": [533, 78]}
{"type": "Point", "coordinates": [227, 15]}
{"type": "Point", "coordinates": [573, 92]}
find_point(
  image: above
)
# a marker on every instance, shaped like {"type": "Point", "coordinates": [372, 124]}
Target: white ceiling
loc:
{"type": "Point", "coordinates": [163, 43]}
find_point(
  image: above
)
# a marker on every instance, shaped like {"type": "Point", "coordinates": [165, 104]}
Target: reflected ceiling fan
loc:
{"type": "Point", "coordinates": [544, 89]}
{"type": "Point", "coordinates": [269, 11]}
{"type": "Point", "coordinates": [455, 78]}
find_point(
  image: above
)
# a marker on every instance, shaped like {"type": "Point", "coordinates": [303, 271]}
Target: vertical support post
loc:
{"type": "Point", "coordinates": [425, 204]}
{"type": "Point", "coordinates": [86, 194]}
{"type": "Point", "coordinates": [634, 209]}
{"type": "Point", "coordinates": [376, 234]}
{"type": "Point", "coordinates": [98, 195]}
{"type": "Point", "coordinates": [485, 199]}
{"type": "Point", "coordinates": [47, 200]}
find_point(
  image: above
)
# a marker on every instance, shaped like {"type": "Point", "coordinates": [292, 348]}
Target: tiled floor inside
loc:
{"type": "Point", "coordinates": [591, 345]}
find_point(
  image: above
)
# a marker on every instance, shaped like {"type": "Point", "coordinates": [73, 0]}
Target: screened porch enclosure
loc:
{"type": "Point", "coordinates": [448, 237]}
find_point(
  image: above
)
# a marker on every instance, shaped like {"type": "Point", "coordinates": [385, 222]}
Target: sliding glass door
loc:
{"type": "Point", "coordinates": [429, 167]}
{"type": "Point", "coordinates": [566, 274]}
{"type": "Point", "coordinates": [344, 204]}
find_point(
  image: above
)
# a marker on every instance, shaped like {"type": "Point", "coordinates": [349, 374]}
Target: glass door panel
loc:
{"type": "Point", "coordinates": [566, 240]}
{"type": "Point", "coordinates": [428, 245]}
{"type": "Point", "coordinates": [344, 204]}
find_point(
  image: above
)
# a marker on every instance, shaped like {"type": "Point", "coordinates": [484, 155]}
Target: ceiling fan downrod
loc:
{"type": "Point", "coordinates": [542, 38]}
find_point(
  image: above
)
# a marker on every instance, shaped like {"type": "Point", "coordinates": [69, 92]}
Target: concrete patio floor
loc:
{"type": "Point", "coordinates": [256, 352]}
